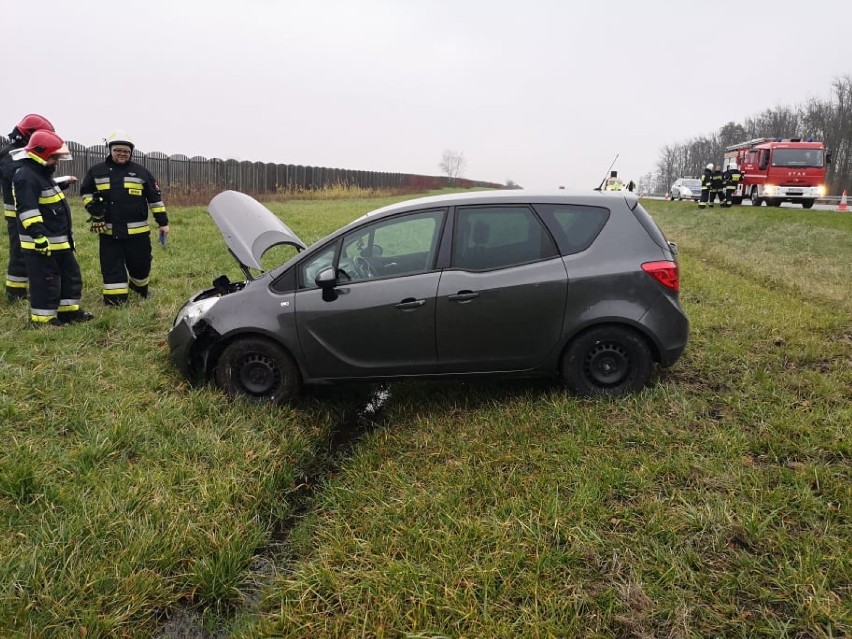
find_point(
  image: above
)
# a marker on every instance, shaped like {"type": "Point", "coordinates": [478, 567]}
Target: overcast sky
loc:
{"type": "Point", "coordinates": [542, 92]}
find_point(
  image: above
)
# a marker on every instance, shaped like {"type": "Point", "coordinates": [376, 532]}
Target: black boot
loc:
{"type": "Point", "coordinates": [75, 316]}
{"type": "Point", "coordinates": [141, 290]}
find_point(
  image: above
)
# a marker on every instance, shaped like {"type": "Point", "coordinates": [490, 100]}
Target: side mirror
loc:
{"type": "Point", "coordinates": [828, 158]}
{"type": "Point", "coordinates": [326, 279]}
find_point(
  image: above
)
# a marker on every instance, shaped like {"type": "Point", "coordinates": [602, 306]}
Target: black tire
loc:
{"type": "Point", "coordinates": [755, 200]}
{"type": "Point", "coordinates": [806, 204]}
{"type": "Point", "coordinates": [258, 370]}
{"type": "Point", "coordinates": [608, 360]}
{"type": "Point", "coordinates": [775, 202]}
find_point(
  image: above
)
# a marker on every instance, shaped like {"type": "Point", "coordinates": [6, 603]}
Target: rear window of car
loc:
{"type": "Point", "coordinates": [492, 237]}
{"type": "Point", "coordinates": [574, 227]}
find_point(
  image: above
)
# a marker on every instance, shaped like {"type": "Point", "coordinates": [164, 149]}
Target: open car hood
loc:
{"type": "Point", "coordinates": [249, 228]}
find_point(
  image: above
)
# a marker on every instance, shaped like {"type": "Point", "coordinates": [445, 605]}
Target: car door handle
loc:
{"type": "Point", "coordinates": [409, 303]}
{"type": "Point", "coordinates": [463, 296]}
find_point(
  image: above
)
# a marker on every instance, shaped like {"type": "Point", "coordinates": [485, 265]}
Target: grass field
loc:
{"type": "Point", "coordinates": [714, 504]}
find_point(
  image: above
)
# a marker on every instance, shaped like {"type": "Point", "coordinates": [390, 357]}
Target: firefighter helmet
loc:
{"type": "Point", "coordinates": [31, 123]}
{"type": "Point", "coordinates": [710, 166]}
{"type": "Point", "coordinates": [46, 144]}
{"type": "Point", "coordinates": [119, 136]}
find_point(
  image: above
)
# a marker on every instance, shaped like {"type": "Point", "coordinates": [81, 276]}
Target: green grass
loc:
{"type": "Point", "coordinates": [715, 503]}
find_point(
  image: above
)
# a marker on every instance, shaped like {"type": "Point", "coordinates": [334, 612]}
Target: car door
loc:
{"type": "Point", "coordinates": [380, 318]}
{"type": "Point", "coordinates": [501, 303]}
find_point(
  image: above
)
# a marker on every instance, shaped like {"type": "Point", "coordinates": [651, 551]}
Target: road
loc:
{"type": "Point", "coordinates": [816, 207]}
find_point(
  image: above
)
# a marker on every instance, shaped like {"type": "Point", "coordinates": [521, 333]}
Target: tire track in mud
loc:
{"type": "Point", "coordinates": [363, 410]}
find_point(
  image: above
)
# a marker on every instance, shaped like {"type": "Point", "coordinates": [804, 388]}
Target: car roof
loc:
{"type": "Point", "coordinates": [510, 196]}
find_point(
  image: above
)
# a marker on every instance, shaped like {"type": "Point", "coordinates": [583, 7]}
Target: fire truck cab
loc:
{"type": "Point", "coordinates": [779, 170]}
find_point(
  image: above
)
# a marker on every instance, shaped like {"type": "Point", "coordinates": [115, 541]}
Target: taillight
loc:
{"type": "Point", "coordinates": [666, 273]}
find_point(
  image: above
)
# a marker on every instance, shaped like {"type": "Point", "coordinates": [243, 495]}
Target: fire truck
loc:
{"type": "Point", "coordinates": [779, 170]}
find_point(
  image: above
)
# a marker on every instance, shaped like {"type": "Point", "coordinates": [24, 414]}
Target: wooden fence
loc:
{"type": "Point", "coordinates": [199, 174]}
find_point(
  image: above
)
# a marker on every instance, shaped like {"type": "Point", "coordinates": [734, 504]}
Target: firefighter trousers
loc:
{"type": "Point", "coordinates": [716, 193]}
{"type": "Point", "coordinates": [16, 272]}
{"type": "Point", "coordinates": [705, 195]}
{"type": "Point", "coordinates": [125, 265]}
{"type": "Point", "coordinates": [56, 286]}
{"type": "Point", "coordinates": [729, 196]}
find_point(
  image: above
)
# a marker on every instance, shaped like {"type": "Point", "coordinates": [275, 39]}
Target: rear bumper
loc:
{"type": "Point", "coordinates": [669, 326]}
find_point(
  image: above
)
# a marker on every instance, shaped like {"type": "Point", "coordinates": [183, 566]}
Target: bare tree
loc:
{"type": "Point", "coordinates": [453, 164]}
{"type": "Point", "coordinates": [827, 120]}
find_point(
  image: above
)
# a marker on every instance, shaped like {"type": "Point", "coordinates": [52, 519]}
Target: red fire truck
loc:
{"type": "Point", "coordinates": [779, 170]}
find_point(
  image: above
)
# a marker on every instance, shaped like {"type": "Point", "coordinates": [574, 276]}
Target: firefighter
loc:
{"type": "Point", "coordinates": [717, 187]}
{"type": "Point", "coordinates": [118, 194]}
{"type": "Point", "coordinates": [44, 229]}
{"type": "Point", "coordinates": [16, 271]}
{"type": "Point", "coordinates": [732, 176]}
{"type": "Point", "coordinates": [706, 180]}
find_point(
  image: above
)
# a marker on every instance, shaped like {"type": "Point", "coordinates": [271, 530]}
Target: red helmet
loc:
{"type": "Point", "coordinates": [45, 144]}
{"type": "Point", "coordinates": [33, 122]}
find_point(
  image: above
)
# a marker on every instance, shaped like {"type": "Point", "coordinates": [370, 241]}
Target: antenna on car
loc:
{"type": "Point", "coordinates": [607, 174]}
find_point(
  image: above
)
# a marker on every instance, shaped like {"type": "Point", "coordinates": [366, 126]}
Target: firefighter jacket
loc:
{"type": "Point", "coordinates": [733, 177]}
{"type": "Point", "coordinates": [41, 206]}
{"type": "Point", "coordinates": [8, 166]}
{"type": "Point", "coordinates": [706, 179]}
{"type": "Point", "coordinates": [127, 190]}
{"type": "Point", "coordinates": [717, 181]}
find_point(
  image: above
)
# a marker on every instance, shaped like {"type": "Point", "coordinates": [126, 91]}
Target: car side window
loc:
{"type": "Point", "coordinates": [402, 245]}
{"type": "Point", "coordinates": [574, 227]}
{"type": "Point", "coordinates": [491, 237]}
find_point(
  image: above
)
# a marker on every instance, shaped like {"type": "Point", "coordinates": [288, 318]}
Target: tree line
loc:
{"type": "Point", "coordinates": [826, 120]}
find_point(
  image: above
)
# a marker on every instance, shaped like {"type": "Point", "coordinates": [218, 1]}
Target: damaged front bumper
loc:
{"type": "Point", "coordinates": [191, 337]}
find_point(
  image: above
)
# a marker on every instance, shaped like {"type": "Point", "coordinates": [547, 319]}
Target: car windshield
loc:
{"type": "Point", "coordinates": [797, 157]}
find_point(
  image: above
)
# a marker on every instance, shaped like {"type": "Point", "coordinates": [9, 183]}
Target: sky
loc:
{"type": "Point", "coordinates": [545, 93]}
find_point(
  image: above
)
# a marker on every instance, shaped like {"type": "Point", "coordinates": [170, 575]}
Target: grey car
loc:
{"type": "Point", "coordinates": [686, 189]}
{"type": "Point", "coordinates": [491, 283]}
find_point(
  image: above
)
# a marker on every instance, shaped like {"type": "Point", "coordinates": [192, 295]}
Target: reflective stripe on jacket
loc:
{"type": "Point", "coordinates": [42, 209]}
{"type": "Point", "coordinates": [129, 192]}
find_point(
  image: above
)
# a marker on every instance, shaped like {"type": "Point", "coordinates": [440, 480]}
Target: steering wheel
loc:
{"type": "Point", "coordinates": [363, 267]}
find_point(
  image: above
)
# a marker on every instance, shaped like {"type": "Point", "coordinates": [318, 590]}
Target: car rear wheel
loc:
{"type": "Point", "coordinates": [259, 370]}
{"type": "Point", "coordinates": [608, 360]}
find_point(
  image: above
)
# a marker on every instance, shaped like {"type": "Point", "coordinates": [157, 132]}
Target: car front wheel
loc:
{"type": "Point", "coordinates": [608, 360]}
{"type": "Point", "coordinates": [257, 369]}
